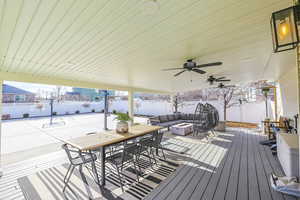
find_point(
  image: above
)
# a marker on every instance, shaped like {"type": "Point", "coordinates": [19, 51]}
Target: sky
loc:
{"type": "Point", "coordinates": [32, 87]}
{"type": "Point", "coordinates": [36, 88]}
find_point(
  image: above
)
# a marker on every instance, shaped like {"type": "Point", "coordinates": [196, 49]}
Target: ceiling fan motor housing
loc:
{"type": "Point", "coordinates": [189, 64]}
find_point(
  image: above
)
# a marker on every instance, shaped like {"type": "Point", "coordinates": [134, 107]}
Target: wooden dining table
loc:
{"type": "Point", "coordinates": [99, 140]}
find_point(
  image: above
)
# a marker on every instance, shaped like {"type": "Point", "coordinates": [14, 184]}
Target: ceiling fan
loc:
{"type": "Point", "coordinates": [211, 79]}
{"type": "Point", "coordinates": [190, 65]}
{"type": "Point", "coordinates": [221, 86]}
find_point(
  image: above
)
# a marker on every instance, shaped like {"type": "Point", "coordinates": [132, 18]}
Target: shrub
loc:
{"type": "Point", "coordinates": [25, 115]}
{"type": "Point", "coordinates": [5, 116]}
{"type": "Point", "coordinates": [86, 105]}
{"type": "Point", "coordinates": [114, 111]}
{"type": "Point", "coordinates": [54, 113]}
{"type": "Point", "coordinates": [77, 112]}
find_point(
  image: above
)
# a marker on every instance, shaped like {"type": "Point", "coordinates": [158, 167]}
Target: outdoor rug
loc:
{"type": "Point", "coordinates": [48, 184]}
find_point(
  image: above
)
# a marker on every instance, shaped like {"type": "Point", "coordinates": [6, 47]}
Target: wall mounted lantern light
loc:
{"type": "Point", "coordinates": [284, 26]}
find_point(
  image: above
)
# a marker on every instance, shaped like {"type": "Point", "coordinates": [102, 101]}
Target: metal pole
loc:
{"type": "Point", "coordinates": [267, 112]}
{"type": "Point", "coordinates": [105, 109]}
{"type": "Point", "coordinates": [130, 105]}
{"type": "Point", "coordinates": [1, 85]}
{"type": "Point", "coordinates": [51, 109]}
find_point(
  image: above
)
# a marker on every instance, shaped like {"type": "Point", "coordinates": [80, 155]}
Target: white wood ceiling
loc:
{"type": "Point", "coordinates": [115, 42]}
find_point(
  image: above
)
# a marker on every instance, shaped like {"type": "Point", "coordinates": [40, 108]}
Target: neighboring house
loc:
{"type": "Point", "coordinates": [73, 96]}
{"type": "Point", "coordinates": [12, 94]}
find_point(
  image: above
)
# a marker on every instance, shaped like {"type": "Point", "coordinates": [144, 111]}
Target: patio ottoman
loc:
{"type": "Point", "coordinates": [182, 129]}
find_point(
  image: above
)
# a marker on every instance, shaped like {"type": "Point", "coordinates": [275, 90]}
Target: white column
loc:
{"type": "Point", "coordinates": [1, 84]}
{"type": "Point", "coordinates": [298, 69]}
{"type": "Point", "coordinates": [130, 105]}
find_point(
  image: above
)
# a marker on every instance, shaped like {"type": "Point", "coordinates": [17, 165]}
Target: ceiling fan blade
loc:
{"type": "Point", "coordinates": [169, 69]}
{"type": "Point", "coordinates": [209, 64]}
{"type": "Point", "coordinates": [224, 80]}
{"type": "Point", "coordinates": [179, 73]}
{"type": "Point", "coordinates": [229, 86]}
{"type": "Point", "coordinates": [198, 71]}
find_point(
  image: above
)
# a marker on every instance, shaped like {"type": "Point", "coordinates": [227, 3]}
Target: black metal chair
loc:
{"type": "Point", "coordinates": [153, 143]}
{"type": "Point", "coordinates": [79, 159]}
{"type": "Point", "coordinates": [146, 149]}
{"type": "Point", "coordinates": [124, 157]}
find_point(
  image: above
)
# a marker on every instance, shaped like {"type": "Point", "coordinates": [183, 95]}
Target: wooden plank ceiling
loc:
{"type": "Point", "coordinates": [116, 42]}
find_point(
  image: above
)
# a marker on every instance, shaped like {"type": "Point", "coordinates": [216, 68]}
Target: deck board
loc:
{"type": "Point", "coordinates": [240, 172]}
{"type": "Point", "coordinates": [232, 166]}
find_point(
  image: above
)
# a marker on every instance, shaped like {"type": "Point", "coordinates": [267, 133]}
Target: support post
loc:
{"type": "Point", "coordinates": [275, 103]}
{"type": "Point", "coordinates": [130, 105]}
{"type": "Point", "coordinates": [1, 85]}
{"type": "Point", "coordinates": [105, 108]}
{"type": "Point", "coordinates": [298, 70]}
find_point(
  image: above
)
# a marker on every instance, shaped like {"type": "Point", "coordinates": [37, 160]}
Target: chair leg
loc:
{"type": "Point", "coordinates": [151, 150]}
{"type": "Point", "coordinates": [94, 169]}
{"type": "Point", "coordinates": [136, 171]}
{"type": "Point", "coordinates": [163, 153]}
{"type": "Point", "coordinates": [120, 179]}
{"type": "Point", "coordinates": [67, 173]}
{"type": "Point", "coordinates": [67, 177]}
{"type": "Point", "coordinates": [149, 156]}
{"type": "Point", "coordinates": [137, 161]}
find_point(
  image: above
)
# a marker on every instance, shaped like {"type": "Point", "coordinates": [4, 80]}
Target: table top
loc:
{"type": "Point", "coordinates": [183, 125]}
{"type": "Point", "coordinates": [105, 138]}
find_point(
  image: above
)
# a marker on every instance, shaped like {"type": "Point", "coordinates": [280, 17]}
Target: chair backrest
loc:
{"type": "Point", "coordinates": [158, 138]}
{"type": "Point", "coordinates": [73, 153]}
{"type": "Point", "coordinates": [129, 151]}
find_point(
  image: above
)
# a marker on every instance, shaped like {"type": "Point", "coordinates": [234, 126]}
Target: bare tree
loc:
{"type": "Point", "coordinates": [226, 95]}
{"type": "Point", "coordinates": [177, 102]}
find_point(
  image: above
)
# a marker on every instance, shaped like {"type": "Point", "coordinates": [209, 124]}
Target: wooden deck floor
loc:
{"type": "Point", "coordinates": [234, 166]}
{"type": "Point", "coordinates": [231, 166]}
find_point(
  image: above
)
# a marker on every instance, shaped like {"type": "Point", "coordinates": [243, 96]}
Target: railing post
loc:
{"type": "Point", "coordinates": [130, 105]}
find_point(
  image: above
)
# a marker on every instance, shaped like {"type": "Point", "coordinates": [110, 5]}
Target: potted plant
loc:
{"type": "Point", "coordinates": [25, 115]}
{"type": "Point", "coordinates": [122, 125]}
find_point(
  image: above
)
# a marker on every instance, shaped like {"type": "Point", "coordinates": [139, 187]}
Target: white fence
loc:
{"type": "Point", "coordinates": [250, 112]}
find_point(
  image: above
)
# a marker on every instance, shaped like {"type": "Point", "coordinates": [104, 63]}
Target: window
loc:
{"type": "Point", "coordinates": [20, 98]}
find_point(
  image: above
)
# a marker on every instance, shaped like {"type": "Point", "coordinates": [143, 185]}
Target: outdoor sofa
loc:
{"type": "Point", "coordinates": [169, 120]}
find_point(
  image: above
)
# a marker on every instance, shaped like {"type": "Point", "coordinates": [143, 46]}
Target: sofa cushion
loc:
{"type": "Point", "coordinates": [177, 116]}
{"type": "Point", "coordinates": [184, 116]}
{"type": "Point", "coordinates": [171, 117]}
{"type": "Point", "coordinates": [167, 124]}
{"type": "Point", "coordinates": [163, 118]}
{"type": "Point", "coordinates": [191, 117]}
{"type": "Point", "coordinates": [154, 120]}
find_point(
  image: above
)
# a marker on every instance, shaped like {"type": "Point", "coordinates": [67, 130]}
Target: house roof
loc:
{"type": "Point", "coordinates": [73, 93]}
{"type": "Point", "coordinates": [8, 89]}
